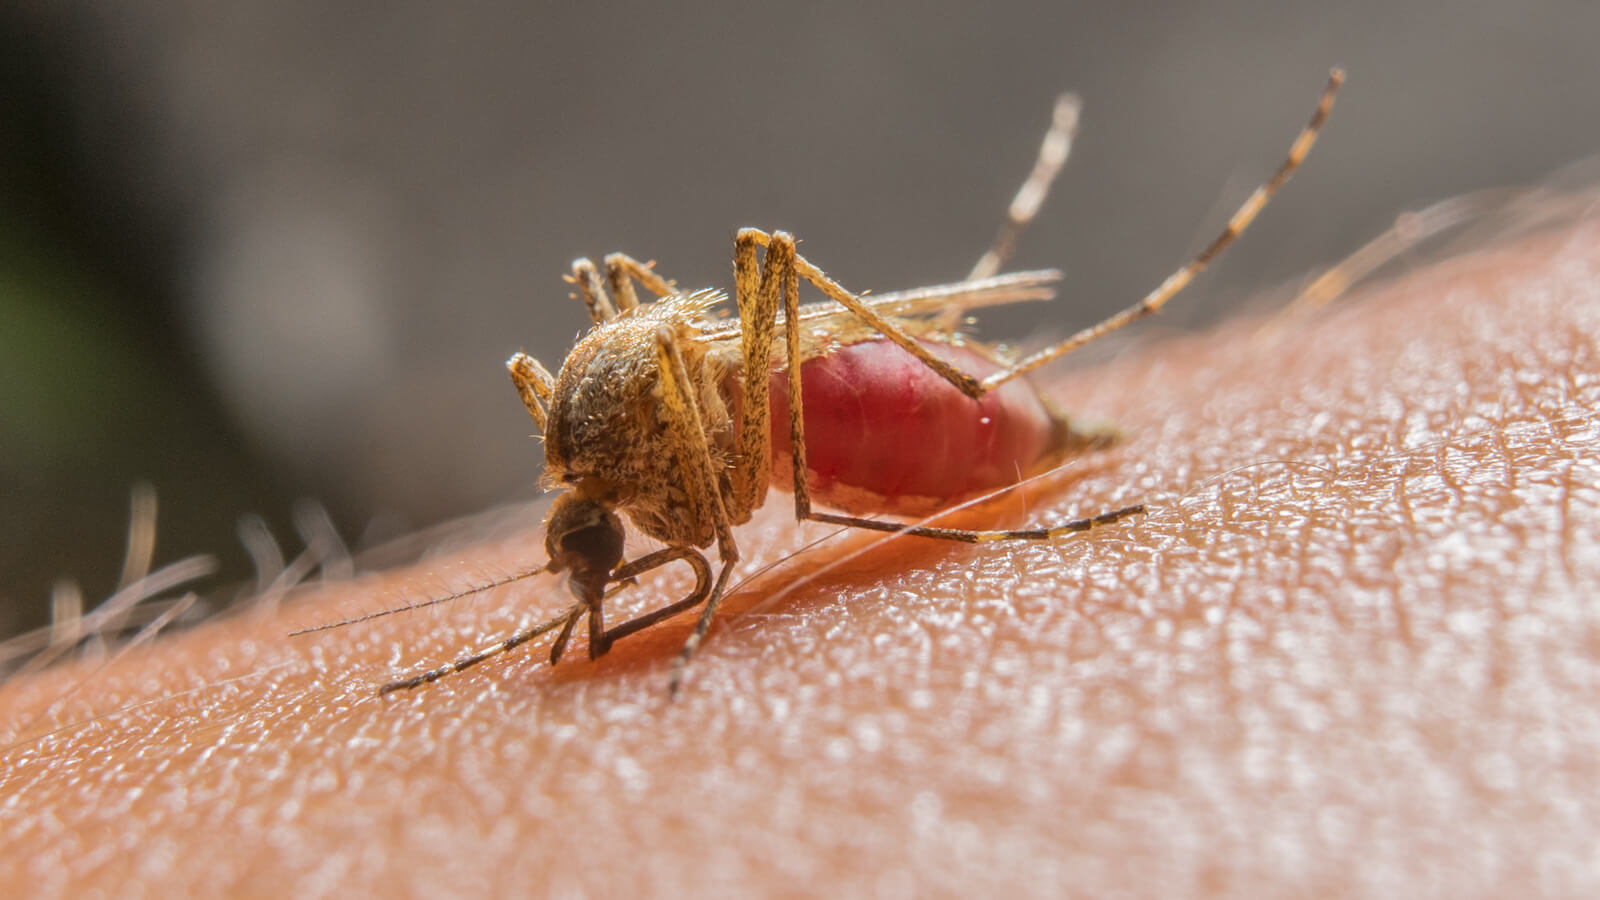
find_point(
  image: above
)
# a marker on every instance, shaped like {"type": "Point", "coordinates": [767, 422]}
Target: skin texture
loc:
{"type": "Point", "coordinates": [1351, 649]}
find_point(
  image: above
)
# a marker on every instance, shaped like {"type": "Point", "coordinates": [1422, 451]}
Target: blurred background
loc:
{"type": "Point", "coordinates": [269, 249]}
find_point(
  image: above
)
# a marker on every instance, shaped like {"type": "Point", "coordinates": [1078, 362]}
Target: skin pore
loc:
{"type": "Point", "coordinates": [1351, 648]}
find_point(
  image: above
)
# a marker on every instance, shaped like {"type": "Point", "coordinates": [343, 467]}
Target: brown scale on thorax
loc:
{"type": "Point", "coordinates": [607, 437]}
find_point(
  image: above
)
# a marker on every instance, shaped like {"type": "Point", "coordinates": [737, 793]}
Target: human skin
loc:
{"type": "Point", "coordinates": [1351, 648]}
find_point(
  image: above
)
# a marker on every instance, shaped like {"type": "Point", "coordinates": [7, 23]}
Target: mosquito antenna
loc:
{"type": "Point", "coordinates": [500, 582]}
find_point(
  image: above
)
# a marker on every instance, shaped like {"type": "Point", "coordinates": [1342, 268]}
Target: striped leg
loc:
{"type": "Point", "coordinates": [979, 537]}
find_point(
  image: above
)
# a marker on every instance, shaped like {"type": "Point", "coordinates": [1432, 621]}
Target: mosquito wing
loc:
{"type": "Point", "coordinates": [961, 296]}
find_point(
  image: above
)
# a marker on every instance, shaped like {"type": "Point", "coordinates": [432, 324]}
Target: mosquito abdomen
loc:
{"type": "Point", "coordinates": [886, 434]}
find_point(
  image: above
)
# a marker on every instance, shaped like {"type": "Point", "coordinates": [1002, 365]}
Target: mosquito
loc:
{"type": "Point", "coordinates": [660, 413]}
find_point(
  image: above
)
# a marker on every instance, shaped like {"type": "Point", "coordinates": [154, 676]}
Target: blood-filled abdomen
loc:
{"type": "Point", "coordinates": [885, 434]}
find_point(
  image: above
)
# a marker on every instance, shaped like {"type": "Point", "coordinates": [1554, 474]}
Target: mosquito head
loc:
{"type": "Point", "coordinates": [584, 538]}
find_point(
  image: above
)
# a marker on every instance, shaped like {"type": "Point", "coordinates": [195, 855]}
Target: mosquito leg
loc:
{"type": "Point", "coordinates": [965, 383]}
{"type": "Point", "coordinates": [701, 628]}
{"type": "Point", "coordinates": [781, 278]}
{"type": "Point", "coordinates": [558, 647]}
{"type": "Point", "coordinates": [1025, 205]}
{"type": "Point", "coordinates": [565, 619]}
{"type": "Point", "coordinates": [1180, 279]}
{"type": "Point", "coordinates": [703, 482]}
{"type": "Point", "coordinates": [1053, 153]}
{"type": "Point", "coordinates": [587, 278]}
{"type": "Point", "coordinates": [534, 384]}
{"type": "Point", "coordinates": [687, 437]}
{"type": "Point", "coordinates": [757, 297]}
{"type": "Point", "coordinates": [622, 269]}
{"type": "Point", "coordinates": [600, 639]}
{"type": "Point", "coordinates": [624, 575]}
{"type": "Point", "coordinates": [980, 537]}
{"type": "Point", "coordinates": [756, 294]}
{"type": "Point", "coordinates": [702, 589]}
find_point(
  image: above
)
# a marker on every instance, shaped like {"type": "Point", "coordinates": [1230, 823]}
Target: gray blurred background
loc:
{"type": "Point", "coordinates": [261, 250]}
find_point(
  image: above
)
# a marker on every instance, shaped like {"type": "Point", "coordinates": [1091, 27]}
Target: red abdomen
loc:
{"type": "Point", "coordinates": [884, 433]}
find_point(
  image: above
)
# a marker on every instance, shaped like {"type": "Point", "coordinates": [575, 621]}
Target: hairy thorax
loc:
{"type": "Point", "coordinates": [607, 433]}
